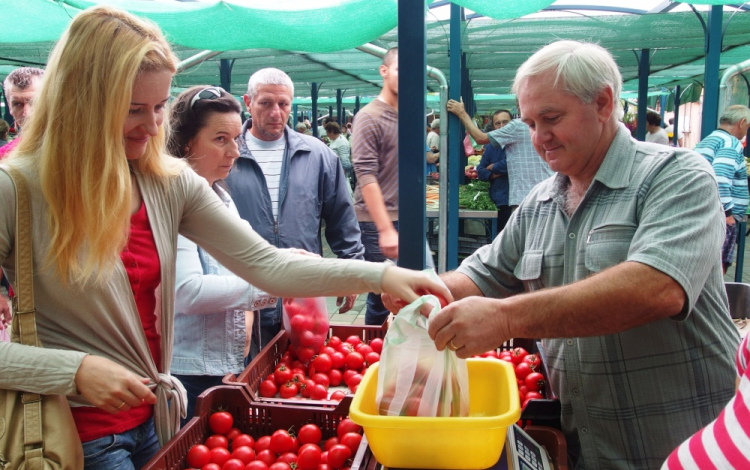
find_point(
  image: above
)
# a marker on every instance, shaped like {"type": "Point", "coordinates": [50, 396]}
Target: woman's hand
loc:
{"type": "Point", "coordinates": [110, 386]}
{"type": "Point", "coordinates": [403, 286]}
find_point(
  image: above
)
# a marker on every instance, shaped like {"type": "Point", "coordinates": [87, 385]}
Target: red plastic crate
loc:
{"type": "Point", "coordinates": [265, 362]}
{"type": "Point", "coordinates": [256, 419]}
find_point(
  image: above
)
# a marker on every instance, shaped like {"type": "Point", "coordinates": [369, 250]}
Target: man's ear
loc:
{"type": "Point", "coordinates": [604, 104]}
{"type": "Point", "coordinates": [246, 99]}
{"type": "Point", "coordinates": [383, 70]}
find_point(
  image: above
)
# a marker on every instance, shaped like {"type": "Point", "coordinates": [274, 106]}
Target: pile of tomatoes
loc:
{"type": "Point", "coordinates": [229, 449]}
{"type": "Point", "coordinates": [528, 372]}
{"type": "Point", "coordinates": [336, 363]}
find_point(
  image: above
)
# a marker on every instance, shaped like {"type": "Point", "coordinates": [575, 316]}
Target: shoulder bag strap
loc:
{"type": "Point", "coordinates": [24, 317]}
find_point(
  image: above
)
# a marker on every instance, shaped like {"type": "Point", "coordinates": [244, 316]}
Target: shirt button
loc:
{"type": "Point", "coordinates": [571, 236]}
{"type": "Point", "coordinates": [585, 430]}
{"type": "Point", "coordinates": [133, 264]}
{"type": "Point", "coordinates": [136, 281]}
{"type": "Point", "coordinates": [576, 392]}
{"type": "Point", "coordinates": [570, 342]}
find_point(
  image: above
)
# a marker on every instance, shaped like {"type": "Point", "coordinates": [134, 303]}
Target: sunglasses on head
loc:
{"type": "Point", "coordinates": [208, 93]}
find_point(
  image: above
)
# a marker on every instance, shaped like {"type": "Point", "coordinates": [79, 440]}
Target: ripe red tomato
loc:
{"type": "Point", "coordinates": [364, 350]}
{"type": "Point", "coordinates": [351, 440]}
{"type": "Point", "coordinates": [522, 390]}
{"type": "Point", "coordinates": [321, 379]}
{"type": "Point", "coordinates": [243, 440]}
{"type": "Point", "coordinates": [346, 426]}
{"type": "Point", "coordinates": [535, 382]}
{"type": "Point", "coordinates": [354, 340]}
{"type": "Point", "coordinates": [198, 456]}
{"type": "Point", "coordinates": [266, 456]}
{"type": "Point", "coordinates": [517, 355]}
{"type": "Point", "coordinates": [309, 339]}
{"type": "Point", "coordinates": [305, 354]}
{"type": "Point", "coordinates": [291, 307]}
{"type": "Point", "coordinates": [533, 361]}
{"type": "Point", "coordinates": [372, 358]}
{"type": "Point", "coordinates": [298, 377]}
{"type": "Point", "coordinates": [288, 390]}
{"type": "Point", "coordinates": [281, 442]}
{"type": "Point", "coordinates": [256, 465]}
{"type": "Point", "coordinates": [211, 466]}
{"type": "Point", "coordinates": [300, 323]}
{"type": "Point", "coordinates": [522, 370]}
{"type": "Point", "coordinates": [354, 360]}
{"type": "Point", "coordinates": [244, 453]}
{"type": "Point", "coordinates": [288, 457]}
{"type": "Point", "coordinates": [324, 458]}
{"type": "Point", "coordinates": [354, 380]}
{"type": "Point", "coordinates": [338, 455]}
{"type": "Point", "coordinates": [263, 443]}
{"type": "Point", "coordinates": [338, 395]}
{"type": "Point", "coordinates": [346, 348]}
{"type": "Point", "coordinates": [268, 389]}
{"type": "Point", "coordinates": [491, 354]}
{"type": "Point", "coordinates": [306, 388]}
{"type": "Point", "coordinates": [533, 395]}
{"type": "Point", "coordinates": [327, 350]}
{"type": "Point", "coordinates": [309, 457]}
{"type": "Point", "coordinates": [282, 375]}
{"type": "Point", "coordinates": [337, 360]}
{"type": "Point", "coordinates": [309, 434]}
{"type": "Point", "coordinates": [234, 432]}
{"type": "Point", "coordinates": [219, 455]}
{"type": "Point", "coordinates": [319, 392]}
{"type": "Point", "coordinates": [217, 440]}
{"type": "Point", "coordinates": [334, 342]}
{"type": "Point", "coordinates": [330, 442]}
{"type": "Point", "coordinates": [335, 377]}
{"type": "Point", "coordinates": [323, 466]}
{"type": "Point", "coordinates": [233, 464]}
{"type": "Point", "coordinates": [377, 345]}
{"type": "Point", "coordinates": [322, 362]}
{"type": "Point", "coordinates": [280, 466]}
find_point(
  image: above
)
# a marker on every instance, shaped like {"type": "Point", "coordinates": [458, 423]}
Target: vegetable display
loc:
{"type": "Point", "coordinates": [476, 196]}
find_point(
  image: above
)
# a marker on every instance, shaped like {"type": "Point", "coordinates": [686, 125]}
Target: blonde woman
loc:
{"type": "Point", "coordinates": [107, 206]}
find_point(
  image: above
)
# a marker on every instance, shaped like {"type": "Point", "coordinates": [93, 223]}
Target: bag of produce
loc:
{"type": "Point", "coordinates": [414, 378]}
{"type": "Point", "coordinates": [306, 322]}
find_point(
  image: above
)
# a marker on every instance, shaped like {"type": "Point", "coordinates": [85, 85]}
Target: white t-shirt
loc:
{"type": "Point", "coordinates": [658, 137]}
{"type": "Point", "coordinates": [270, 156]}
{"type": "Point", "coordinates": [341, 148]}
{"type": "Point", "coordinates": [433, 140]}
{"type": "Point", "coordinates": [670, 130]}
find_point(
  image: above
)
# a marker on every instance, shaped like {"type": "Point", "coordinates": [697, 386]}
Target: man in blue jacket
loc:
{"type": "Point", "coordinates": [286, 184]}
{"type": "Point", "coordinates": [494, 168]}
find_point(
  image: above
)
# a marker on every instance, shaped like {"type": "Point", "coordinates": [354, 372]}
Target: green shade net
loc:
{"type": "Point", "coordinates": [502, 10]}
{"type": "Point", "coordinates": [709, 2]}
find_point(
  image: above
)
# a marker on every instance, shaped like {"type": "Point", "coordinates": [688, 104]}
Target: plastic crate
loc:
{"type": "Point", "coordinates": [256, 419]}
{"type": "Point", "coordinates": [475, 441]}
{"type": "Point", "coordinates": [265, 363]}
{"type": "Point", "coordinates": [554, 441]}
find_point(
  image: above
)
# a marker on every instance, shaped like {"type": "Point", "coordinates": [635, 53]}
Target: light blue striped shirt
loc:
{"type": "Point", "coordinates": [724, 152]}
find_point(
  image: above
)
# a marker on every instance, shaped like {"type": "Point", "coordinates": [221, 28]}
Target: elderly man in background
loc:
{"type": "Point", "coordinates": [286, 184]}
{"type": "Point", "coordinates": [723, 150]}
{"type": "Point", "coordinates": [614, 259]}
{"type": "Point", "coordinates": [433, 137]}
{"type": "Point", "coordinates": [20, 88]}
{"type": "Point", "coordinates": [493, 168]}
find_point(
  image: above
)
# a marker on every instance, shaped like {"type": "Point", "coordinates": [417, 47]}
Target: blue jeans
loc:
{"type": "Point", "coordinates": [194, 386]}
{"type": "Point", "coordinates": [129, 450]}
{"type": "Point", "coordinates": [376, 313]}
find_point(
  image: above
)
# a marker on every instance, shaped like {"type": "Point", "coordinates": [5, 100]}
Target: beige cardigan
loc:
{"type": "Point", "coordinates": [104, 320]}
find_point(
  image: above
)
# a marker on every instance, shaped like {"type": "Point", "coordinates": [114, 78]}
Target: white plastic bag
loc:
{"type": "Point", "coordinates": [306, 321]}
{"type": "Point", "coordinates": [414, 378]}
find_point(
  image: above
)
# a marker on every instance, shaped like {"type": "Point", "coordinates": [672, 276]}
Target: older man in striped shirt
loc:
{"type": "Point", "coordinates": [612, 263]}
{"type": "Point", "coordinates": [723, 150]}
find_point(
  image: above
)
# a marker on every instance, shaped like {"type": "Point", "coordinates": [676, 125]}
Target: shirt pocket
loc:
{"type": "Point", "coordinates": [529, 270]}
{"type": "Point", "coordinates": [608, 245]}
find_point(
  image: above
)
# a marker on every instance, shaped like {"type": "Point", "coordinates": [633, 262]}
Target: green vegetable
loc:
{"type": "Point", "coordinates": [476, 196]}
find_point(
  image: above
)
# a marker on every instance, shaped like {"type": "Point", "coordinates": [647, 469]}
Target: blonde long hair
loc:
{"type": "Point", "coordinates": [74, 138]}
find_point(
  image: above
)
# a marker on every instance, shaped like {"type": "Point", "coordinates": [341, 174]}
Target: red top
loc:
{"type": "Point", "coordinates": [5, 149]}
{"type": "Point", "coordinates": [141, 262]}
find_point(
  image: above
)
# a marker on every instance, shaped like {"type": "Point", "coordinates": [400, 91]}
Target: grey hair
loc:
{"type": "Point", "coordinates": [22, 77]}
{"type": "Point", "coordinates": [735, 114]}
{"type": "Point", "coordinates": [582, 69]}
{"type": "Point", "coordinates": [268, 76]}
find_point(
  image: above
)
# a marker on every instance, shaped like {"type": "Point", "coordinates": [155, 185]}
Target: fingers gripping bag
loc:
{"type": "Point", "coordinates": [306, 322]}
{"type": "Point", "coordinates": [414, 378]}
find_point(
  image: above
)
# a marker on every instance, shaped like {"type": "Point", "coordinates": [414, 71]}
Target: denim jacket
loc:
{"type": "Point", "coordinates": [499, 187]}
{"type": "Point", "coordinates": [210, 305]}
{"type": "Point", "coordinates": [313, 190]}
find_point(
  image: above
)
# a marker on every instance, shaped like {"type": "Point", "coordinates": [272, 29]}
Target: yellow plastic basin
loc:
{"type": "Point", "coordinates": [472, 442]}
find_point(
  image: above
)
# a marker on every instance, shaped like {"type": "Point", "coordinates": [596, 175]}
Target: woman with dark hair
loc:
{"type": "Point", "coordinates": [213, 307]}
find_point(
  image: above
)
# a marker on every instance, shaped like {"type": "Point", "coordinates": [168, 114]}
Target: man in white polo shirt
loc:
{"type": "Point", "coordinates": [286, 184]}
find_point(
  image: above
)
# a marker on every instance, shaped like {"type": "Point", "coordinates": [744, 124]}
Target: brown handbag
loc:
{"type": "Point", "coordinates": [37, 432]}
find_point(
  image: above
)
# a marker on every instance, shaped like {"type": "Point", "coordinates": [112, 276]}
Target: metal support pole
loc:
{"type": "Point", "coordinates": [225, 74]}
{"type": "Point", "coordinates": [448, 243]}
{"type": "Point", "coordinates": [676, 124]}
{"type": "Point", "coordinates": [330, 112]}
{"type": "Point", "coordinates": [296, 116]}
{"type": "Point", "coordinates": [412, 83]}
{"type": "Point", "coordinates": [314, 119]}
{"type": "Point", "coordinates": [643, 72]}
{"type": "Point", "coordinates": [710, 118]}
{"type": "Point", "coordinates": [356, 105]}
{"type": "Point", "coordinates": [338, 107]}
{"type": "Point", "coordinates": [196, 59]}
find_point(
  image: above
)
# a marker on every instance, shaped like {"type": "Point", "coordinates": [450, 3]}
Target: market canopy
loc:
{"type": "Point", "coordinates": [317, 45]}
